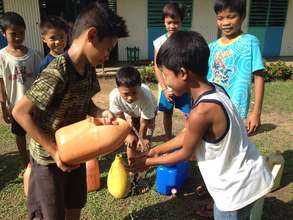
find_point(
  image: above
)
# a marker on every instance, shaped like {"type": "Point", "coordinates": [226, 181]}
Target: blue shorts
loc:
{"type": "Point", "coordinates": [240, 214]}
{"type": "Point", "coordinates": [183, 103]}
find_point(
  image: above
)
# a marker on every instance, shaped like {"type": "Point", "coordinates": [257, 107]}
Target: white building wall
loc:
{"type": "Point", "coordinates": [29, 10]}
{"type": "Point", "coordinates": [135, 15]}
{"type": "Point", "coordinates": [287, 42]}
{"type": "Point", "coordinates": [204, 19]}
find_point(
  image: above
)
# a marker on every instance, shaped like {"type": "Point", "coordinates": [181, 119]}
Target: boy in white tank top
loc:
{"type": "Point", "coordinates": [233, 170]}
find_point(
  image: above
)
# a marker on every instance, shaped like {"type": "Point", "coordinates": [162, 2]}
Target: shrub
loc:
{"type": "Point", "coordinates": [147, 73]}
{"type": "Point", "coordinates": [278, 71]}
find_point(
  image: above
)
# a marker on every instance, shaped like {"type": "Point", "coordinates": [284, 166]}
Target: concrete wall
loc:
{"type": "Point", "coordinates": [135, 15]}
{"type": "Point", "coordinates": [287, 42]}
{"type": "Point", "coordinates": [204, 19]}
{"type": "Point", "coordinates": [29, 10]}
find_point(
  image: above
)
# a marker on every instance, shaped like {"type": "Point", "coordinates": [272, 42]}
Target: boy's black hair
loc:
{"type": "Point", "coordinates": [53, 21]}
{"type": "Point", "coordinates": [185, 49]}
{"type": "Point", "coordinates": [107, 23]}
{"type": "Point", "coordinates": [128, 76]}
{"type": "Point", "coordinates": [173, 10]}
{"type": "Point", "coordinates": [238, 6]}
{"type": "Point", "coordinates": [9, 19]}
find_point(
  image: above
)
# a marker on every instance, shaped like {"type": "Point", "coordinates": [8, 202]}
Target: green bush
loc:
{"type": "Point", "coordinates": [278, 71]}
{"type": "Point", "coordinates": [147, 73]}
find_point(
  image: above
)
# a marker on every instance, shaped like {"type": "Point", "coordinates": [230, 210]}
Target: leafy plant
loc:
{"type": "Point", "coordinates": [147, 73]}
{"type": "Point", "coordinates": [278, 71]}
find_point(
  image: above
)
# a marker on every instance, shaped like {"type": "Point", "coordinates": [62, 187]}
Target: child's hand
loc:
{"type": "Point", "coordinates": [252, 123]}
{"type": "Point", "coordinates": [145, 145]}
{"type": "Point", "coordinates": [6, 112]}
{"type": "Point", "coordinates": [108, 117]}
{"type": "Point", "coordinates": [61, 165]}
{"type": "Point", "coordinates": [169, 95]}
{"type": "Point", "coordinates": [153, 153]}
{"type": "Point", "coordinates": [7, 117]}
{"type": "Point", "coordinates": [131, 140]}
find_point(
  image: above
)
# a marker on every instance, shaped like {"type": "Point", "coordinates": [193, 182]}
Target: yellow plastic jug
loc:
{"type": "Point", "coordinates": [276, 163]}
{"type": "Point", "coordinates": [89, 138]}
{"type": "Point", "coordinates": [92, 175]}
{"type": "Point", "coordinates": [26, 177]}
{"type": "Point", "coordinates": [118, 179]}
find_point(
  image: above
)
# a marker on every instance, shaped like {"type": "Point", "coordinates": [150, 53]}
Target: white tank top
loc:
{"type": "Point", "coordinates": [233, 170]}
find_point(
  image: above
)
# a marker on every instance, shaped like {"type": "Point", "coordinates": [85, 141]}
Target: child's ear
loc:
{"type": "Point", "coordinates": [184, 73]}
{"type": "Point", "coordinates": [43, 38]}
{"type": "Point", "coordinates": [92, 34]}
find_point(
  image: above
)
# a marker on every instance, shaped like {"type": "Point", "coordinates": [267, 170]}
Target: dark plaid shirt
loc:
{"type": "Point", "coordinates": [61, 96]}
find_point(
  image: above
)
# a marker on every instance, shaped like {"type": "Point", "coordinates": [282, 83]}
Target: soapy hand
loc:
{"type": "Point", "coordinates": [108, 118]}
{"type": "Point", "coordinates": [131, 141]}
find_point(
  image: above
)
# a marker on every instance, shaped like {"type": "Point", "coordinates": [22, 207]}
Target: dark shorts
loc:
{"type": "Point", "coordinates": [51, 191]}
{"type": "Point", "coordinates": [17, 129]}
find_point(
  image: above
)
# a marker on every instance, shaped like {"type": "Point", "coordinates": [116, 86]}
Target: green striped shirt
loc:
{"type": "Point", "coordinates": [61, 96]}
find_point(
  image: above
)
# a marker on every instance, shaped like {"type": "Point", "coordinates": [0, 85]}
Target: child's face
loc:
{"type": "Point", "coordinates": [177, 83]}
{"type": "Point", "coordinates": [56, 40]}
{"type": "Point", "coordinates": [129, 94]}
{"type": "Point", "coordinates": [97, 52]}
{"type": "Point", "coordinates": [172, 24]}
{"type": "Point", "coordinates": [229, 22]}
{"type": "Point", "coordinates": [15, 35]}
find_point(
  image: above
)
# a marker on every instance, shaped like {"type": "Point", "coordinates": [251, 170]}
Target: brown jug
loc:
{"type": "Point", "coordinates": [89, 138]}
{"type": "Point", "coordinates": [26, 176]}
{"type": "Point", "coordinates": [92, 175]}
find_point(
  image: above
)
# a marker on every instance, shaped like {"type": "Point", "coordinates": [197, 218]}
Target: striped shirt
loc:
{"type": "Point", "coordinates": [61, 96]}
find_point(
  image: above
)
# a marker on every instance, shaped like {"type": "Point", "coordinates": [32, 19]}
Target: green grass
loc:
{"type": "Point", "coordinates": [276, 134]}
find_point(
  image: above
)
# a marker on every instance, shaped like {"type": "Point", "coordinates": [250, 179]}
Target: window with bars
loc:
{"type": "Point", "coordinates": [112, 4]}
{"type": "Point", "coordinates": [1, 8]}
{"type": "Point", "coordinates": [271, 13]}
{"type": "Point", "coordinates": [155, 8]}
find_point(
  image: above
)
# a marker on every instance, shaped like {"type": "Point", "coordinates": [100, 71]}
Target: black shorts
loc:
{"type": "Point", "coordinates": [51, 191]}
{"type": "Point", "coordinates": [17, 129]}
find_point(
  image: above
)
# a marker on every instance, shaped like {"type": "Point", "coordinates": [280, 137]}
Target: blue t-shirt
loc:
{"type": "Point", "coordinates": [45, 62]}
{"type": "Point", "coordinates": [232, 65]}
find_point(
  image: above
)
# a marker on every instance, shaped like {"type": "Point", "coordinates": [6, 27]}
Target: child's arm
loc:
{"type": "Point", "coordinates": [190, 139]}
{"type": "Point", "coordinates": [254, 118]}
{"type": "Point", "coordinates": [22, 112]}
{"type": "Point", "coordinates": [161, 80]}
{"type": "Point", "coordinates": [3, 99]}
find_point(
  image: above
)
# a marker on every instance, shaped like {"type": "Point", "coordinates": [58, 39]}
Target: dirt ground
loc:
{"type": "Point", "coordinates": [268, 131]}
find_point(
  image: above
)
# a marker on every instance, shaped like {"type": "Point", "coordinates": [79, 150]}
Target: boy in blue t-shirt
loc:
{"type": "Point", "coordinates": [235, 58]}
{"type": "Point", "coordinates": [53, 30]}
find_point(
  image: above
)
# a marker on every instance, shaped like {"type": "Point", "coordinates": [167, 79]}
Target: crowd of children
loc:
{"type": "Point", "coordinates": [208, 83]}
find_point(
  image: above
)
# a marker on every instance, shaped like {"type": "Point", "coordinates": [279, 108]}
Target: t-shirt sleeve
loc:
{"type": "Point", "coordinates": [114, 103]}
{"type": "Point", "coordinates": [148, 107]}
{"type": "Point", "coordinates": [47, 86]}
{"type": "Point", "coordinates": [257, 62]}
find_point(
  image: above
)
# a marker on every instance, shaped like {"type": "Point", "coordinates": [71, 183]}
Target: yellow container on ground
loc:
{"type": "Point", "coordinates": [118, 179]}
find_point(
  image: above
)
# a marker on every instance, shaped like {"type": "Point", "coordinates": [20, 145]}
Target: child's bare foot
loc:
{"type": "Point", "coordinates": [140, 184]}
